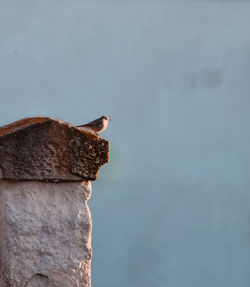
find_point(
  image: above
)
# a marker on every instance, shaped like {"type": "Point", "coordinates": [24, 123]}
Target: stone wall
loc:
{"type": "Point", "coordinates": [45, 234]}
{"type": "Point", "coordinates": [45, 222]}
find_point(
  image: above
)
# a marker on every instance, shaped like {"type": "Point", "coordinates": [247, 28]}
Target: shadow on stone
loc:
{"type": "Point", "coordinates": [38, 280]}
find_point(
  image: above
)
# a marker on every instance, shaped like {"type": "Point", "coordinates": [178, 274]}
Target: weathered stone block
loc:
{"type": "Point", "coordinates": [44, 148]}
{"type": "Point", "coordinates": [45, 234]}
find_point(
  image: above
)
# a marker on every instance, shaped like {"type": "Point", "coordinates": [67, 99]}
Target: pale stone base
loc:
{"type": "Point", "coordinates": [45, 234]}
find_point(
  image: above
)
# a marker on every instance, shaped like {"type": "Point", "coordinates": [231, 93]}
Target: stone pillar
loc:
{"type": "Point", "coordinates": [45, 223]}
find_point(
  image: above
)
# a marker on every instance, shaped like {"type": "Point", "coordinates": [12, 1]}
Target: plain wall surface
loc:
{"type": "Point", "coordinates": [172, 208]}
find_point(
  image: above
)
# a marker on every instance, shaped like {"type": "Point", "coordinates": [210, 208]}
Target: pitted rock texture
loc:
{"type": "Point", "coordinates": [48, 149]}
{"type": "Point", "coordinates": [45, 234]}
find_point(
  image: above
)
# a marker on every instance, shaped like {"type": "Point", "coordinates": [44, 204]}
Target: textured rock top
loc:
{"type": "Point", "coordinates": [44, 148]}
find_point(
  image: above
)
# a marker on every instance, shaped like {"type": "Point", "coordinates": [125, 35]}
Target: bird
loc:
{"type": "Point", "coordinates": [98, 125]}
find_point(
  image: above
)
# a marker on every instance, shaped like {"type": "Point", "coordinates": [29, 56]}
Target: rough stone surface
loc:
{"type": "Point", "coordinates": [48, 149]}
{"type": "Point", "coordinates": [45, 234]}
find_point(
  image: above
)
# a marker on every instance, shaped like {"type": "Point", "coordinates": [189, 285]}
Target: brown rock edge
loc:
{"type": "Point", "coordinates": [44, 148]}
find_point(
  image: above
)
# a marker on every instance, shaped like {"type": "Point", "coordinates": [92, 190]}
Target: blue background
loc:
{"type": "Point", "coordinates": [173, 206]}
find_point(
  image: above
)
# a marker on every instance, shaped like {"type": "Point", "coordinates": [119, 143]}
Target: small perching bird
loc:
{"type": "Point", "coordinates": [98, 125]}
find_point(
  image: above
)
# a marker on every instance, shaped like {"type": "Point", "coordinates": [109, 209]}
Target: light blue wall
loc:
{"type": "Point", "coordinates": [173, 206]}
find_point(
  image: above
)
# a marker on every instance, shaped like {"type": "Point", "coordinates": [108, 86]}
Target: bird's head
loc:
{"type": "Point", "coordinates": [106, 118]}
